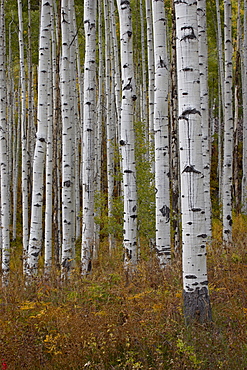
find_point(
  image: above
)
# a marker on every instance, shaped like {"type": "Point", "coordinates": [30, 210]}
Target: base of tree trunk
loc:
{"type": "Point", "coordinates": [197, 306]}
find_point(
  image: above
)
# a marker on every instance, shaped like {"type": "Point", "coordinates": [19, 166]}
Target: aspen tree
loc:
{"type": "Point", "coordinates": [203, 67]}
{"type": "Point", "coordinates": [150, 60]}
{"type": "Point", "coordinates": [244, 94]}
{"type": "Point", "coordinates": [127, 136]}
{"type": "Point", "coordinates": [88, 135]}
{"type": "Point", "coordinates": [174, 161]}
{"type": "Point", "coordinates": [115, 65]}
{"type": "Point", "coordinates": [67, 110]}
{"type": "Point", "coordinates": [221, 95]}
{"type": "Point", "coordinates": [161, 134]}
{"type": "Point", "coordinates": [143, 102]}
{"type": "Point", "coordinates": [36, 226]}
{"type": "Point", "coordinates": [98, 131]}
{"type": "Point", "coordinates": [110, 129]}
{"type": "Point", "coordinates": [228, 127]}
{"type": "Point", "coordinates": [4, 167]}
{"type": "Point", "coordinates": [24, 154]}
{"type": "Point", "coordinates": [195, 282]}
{"type": "Point", "coordinates": [49, 174]}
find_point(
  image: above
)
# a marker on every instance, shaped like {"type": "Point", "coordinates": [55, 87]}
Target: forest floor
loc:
{"type": "Point", "coordinates": [106, 321]}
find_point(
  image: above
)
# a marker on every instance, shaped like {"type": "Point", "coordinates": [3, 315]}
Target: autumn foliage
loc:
{"type": "Point", "coordinates": [106, 322]}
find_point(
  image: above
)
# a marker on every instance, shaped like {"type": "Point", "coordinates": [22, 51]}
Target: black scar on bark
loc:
{"type": "Point", "coordinates": [191, 35]}
{"type": "Point", "coordinates": [191, 168]}
{"type": "Point", "coordinates": [125, 2]}
{"type": "Point", "coordinates": [67, 183]}
{"type": "Point", "coordinates": [190, 277]}
{"type": "Point", "coordinates": [187, 112]}
{"type": "Point", "coordinates": [122, 142]}
{"type": "Point", "coordinates": [36, 254]}
{"type": "Point", "coordinates": [133, 216]}
{"type": "Point", "coordinates": [128, 253]}
{"type": "Point", "coordinates": [197, 306]}
{"type": "Point", "coordinates": [165, 211]}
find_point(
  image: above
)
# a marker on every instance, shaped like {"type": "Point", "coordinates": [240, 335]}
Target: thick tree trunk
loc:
{"type": "Point", "coordinates": [194, 237]}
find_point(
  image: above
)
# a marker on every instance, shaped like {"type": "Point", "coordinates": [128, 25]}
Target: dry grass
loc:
{"type": "Point", "coordinates": [104, 322]}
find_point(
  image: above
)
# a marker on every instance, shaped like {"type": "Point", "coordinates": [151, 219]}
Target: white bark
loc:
{"type": "Point", "coordinates": [127, 138]}
{"type": "Point", "coordinates": [203, 67]}
{"type": "Point", "coordinates": [115, 65]}
{"type": "Point", "coordinates": [36, 227]}
{"type": "Point", "coordinates": [195, 282]}
{"type": "Point", "coordinates": [228, 127]}
{"type": "Point", "coordinates": [24, 169]}
{"type": "Point", "coordinates": [244, 95]}
{"type": "Point", "coordinates": [161, 134]}
{"type": "Point", "coordinates": [150, 58]}
{"type": "Point", "coordinates": [88, 135]}
{"type": "Point", "coordinates": [4, 168]}
{"type": "Point", "coordinates": [110, 132]}
{"type": "Point", "coordinates": [143, 87]}
{"type": "Point", "coordinates": [67, 105]}
{"type": "Point", "coordinates": [221, 95]}
{"type": "Point", "coordinates": [48, 175]}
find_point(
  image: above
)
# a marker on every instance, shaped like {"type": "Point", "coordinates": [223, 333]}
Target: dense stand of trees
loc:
{"type": "Point", "coordinates": [108, 130]}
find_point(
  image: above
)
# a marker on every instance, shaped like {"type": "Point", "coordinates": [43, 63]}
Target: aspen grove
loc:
{"type": "Point", "coordinates": [122, 123]}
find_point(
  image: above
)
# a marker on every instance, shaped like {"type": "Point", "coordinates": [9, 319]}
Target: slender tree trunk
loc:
{"type": "Point", "coordinates": [67, 106]}
{"type": "Point", "coordinates": [161, 134]}
{"type": "Point", "coordinates": [174, 167]}
{"type": "Point", "coordinates": [150, 58]}
{"type": "Point", "coordinates": [228, 127]}
{"type": "Point", "coordinates": [244, 87]}
{"type": "Point", "coordinates": [24, 163]}
{"type": "Point", "coordinates": [88, 135]}
{"type": "Point", "coordinates": [127, 138]}
{"type": "Point", "coordinates": [36, 227]}
{"type": "Point", "coordinates": [4, 167]}
{"type": "Point", "coordinates": [49, 173]}
{"type": "Point", "coordinates": [195, 282]}
{"type": "Point", "coordinates": [203, 66]}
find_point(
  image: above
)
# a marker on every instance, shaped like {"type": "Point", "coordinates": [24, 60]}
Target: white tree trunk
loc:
{"type": "Point", "coordinates": [24, 169]}
{"type": "Point", "coordinates": [203, 66]}
{"type": "Point", "coordinates": [88, 135]}
{"type": "Point", "coordinates": [36, 227]}
{"type": "Point", "coordinates": [67, 105]}
{"type": "Point", "coordinates": [49, 177]}
{"type": "Point", "coordinates": [110, 129]}
{"type": "Point", "coordinates": [127, 138]}
{"type": "Point", "coordinates": [195, 282]}
{"type": "Point", "coordinates": [150, 58]}
{"type": "Point", "coordinates": [228, 127]}
{"type": "Point", "coordinates": [4, 167]}
{"type": "Point", "coordinates": [244, 95]}
{"type": "Point", "coordinates": [161, 134]}
{"type": "Point", "coordinates": [221, 96]}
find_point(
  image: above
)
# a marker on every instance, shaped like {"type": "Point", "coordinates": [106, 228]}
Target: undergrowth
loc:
{"type": "Point", "coordinates": [106, 322]}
